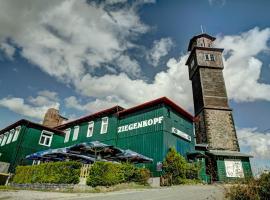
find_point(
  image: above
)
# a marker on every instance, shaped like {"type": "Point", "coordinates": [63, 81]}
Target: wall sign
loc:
{"type": "Point", "coordinates": [181, 134]}
{"type": "Point", "coordinates": [141, 124]}
{"type": "Point", "coordinates": [234, 168]}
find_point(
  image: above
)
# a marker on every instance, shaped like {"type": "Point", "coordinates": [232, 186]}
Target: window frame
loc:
{"type": "Point", "coordinates": [106, 124]}
{"type": "Point", "coordinates": [46, 137]}
{"type": "Point", "coordinates": [209, 57]}
{"type": "Point", "coordinates": [10, 136]}
{"type": "Point", "coordinates": [77, 133]}
{"type": "Point", "coordinates": [4, 139]}
{"type": "Point", "coordinates": [17, 133]}
{"type": "Point", "coordinates": [92, 125]}
{"type": "Point", "coordinates": [67, 132]}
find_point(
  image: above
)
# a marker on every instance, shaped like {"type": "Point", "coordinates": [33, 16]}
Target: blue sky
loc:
{"type": "Point", "coordinates": [83, 56]}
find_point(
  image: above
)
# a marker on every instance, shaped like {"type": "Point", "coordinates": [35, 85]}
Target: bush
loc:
{"type": "Point", "coordinates": [251, 189]}
{"type": "Point", "coordinates": [108, 174]}
{"type": "Point", "coordinates": [105, 174]}
{"type": "Point", "coordinates": [176, 166]}
{"type": "Point", "coordinates": [52, 172]}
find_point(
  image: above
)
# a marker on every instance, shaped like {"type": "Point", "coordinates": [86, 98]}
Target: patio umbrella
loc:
{"type": "Point", "coordinates": [134, 157]}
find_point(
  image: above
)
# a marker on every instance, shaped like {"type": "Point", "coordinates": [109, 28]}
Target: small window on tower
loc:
{"type": "Point", "coordinates": [207, 57]}
{"type": "Point", "coordinates": [212, 57]}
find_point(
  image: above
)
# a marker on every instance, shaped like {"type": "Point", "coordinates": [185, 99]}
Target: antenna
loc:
{"type": "Point", "coordinates": [202, 28]}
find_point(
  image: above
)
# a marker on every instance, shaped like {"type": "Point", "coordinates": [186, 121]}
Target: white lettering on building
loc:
{"type": "Point", "coordinates": [141, 124]}
{"type": "Point", "coordinates": [181, 134]}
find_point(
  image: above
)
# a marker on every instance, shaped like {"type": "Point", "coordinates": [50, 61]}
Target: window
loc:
{"type": "Point", "coordinates": [104, 125]}
{"type": "Point", "coordinates": [76, 133]}
{"type": "Point", "coordinates": [1, 138]}
{"type": "Point", "coordinates": [209, 57]}
{"type": "Point", "coordinates": [10, 136]}
{"type": "Point", "coordinates": [16, 135]}
{"type": "Point", "coordinates": [67, 135]}
{"type": "Point", "coordinates": [4, 139]}
{"type": "Point", "coordinates": [90, 129]}
{"type": "Point", "coordinates": [46, 138]}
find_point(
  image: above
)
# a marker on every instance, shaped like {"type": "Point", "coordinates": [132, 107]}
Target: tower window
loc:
{"type": "Point", "coordinates": [209, 57]}
{"type": "Point", "coordinates": [90, 129]}
{"type": "Point", "coordinates": [104, 125]}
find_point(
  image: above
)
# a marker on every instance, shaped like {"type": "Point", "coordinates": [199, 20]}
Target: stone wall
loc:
{"type": "Point", "coordinates": [220, 130]}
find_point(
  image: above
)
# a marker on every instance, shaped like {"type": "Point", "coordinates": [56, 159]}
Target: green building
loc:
{"type": "Point", "coordinates": [149, 129]}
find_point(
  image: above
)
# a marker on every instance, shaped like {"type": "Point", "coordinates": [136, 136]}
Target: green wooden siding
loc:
{"type": "Point", "coordinates": [221, 170]}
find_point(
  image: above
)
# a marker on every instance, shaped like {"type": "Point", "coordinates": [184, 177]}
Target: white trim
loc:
{"type": "Point", "coordinates": [47, 136]}
{"type": "Point", "coordinates": [90, 129]}
{"type": "Point", "coordinates": [4, 139]}
{"type": "Point", "coordinates": [104, 125]}
{"type": "Point", "coordinates": [17, 132]}
{"type": "Point", "coordinates": [76, 133]}
{"type": "Point", "coordinates": [10, 136]}
{"type": "Point", "coordinates": [67, 135]}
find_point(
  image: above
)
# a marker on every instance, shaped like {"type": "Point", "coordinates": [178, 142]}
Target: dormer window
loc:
{"type": "Point", "coordinates": [90, 129]}
{"type": "Point", "coordinates": [104, 125]}
{"type": "Point", "coordinates": [46, 138]}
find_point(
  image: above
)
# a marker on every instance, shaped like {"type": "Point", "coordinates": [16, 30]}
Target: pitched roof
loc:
{"type": "Point", "coordinates": [111, 110]}
{"type": "Point", "coordinates": [199, 36]}
{"type": "Point", "coordinates": [228, 153]}
{"type": "Point", "coordinates": [30, 124]}
{"type": "Point", "coordinates": [164, 100]}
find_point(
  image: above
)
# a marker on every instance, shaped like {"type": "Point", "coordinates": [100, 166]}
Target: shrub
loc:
{"type": "Point", "coordinates": [141, 176]}
{"type": "Point", "coordinates": [177, 166]}
{"type": "Point", "coordinates": [251, 189]}
{"type": "Point", "coordinates": [108, 174]}
{"type": "Point", "coordinates": [52, 172]}
{"type": "Point", "coordinates": [105, 174]}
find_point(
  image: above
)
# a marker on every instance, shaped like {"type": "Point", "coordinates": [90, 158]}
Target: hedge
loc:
{"type": "Point", "coordinates": [52, 172]}
{"type": "Point", "coordinates": [107, 174]}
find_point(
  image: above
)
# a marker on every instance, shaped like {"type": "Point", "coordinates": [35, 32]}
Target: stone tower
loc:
{"type": "Point", "coordinates": [52, 118]}
{"type": "Point", "coordinates": [214, 123]}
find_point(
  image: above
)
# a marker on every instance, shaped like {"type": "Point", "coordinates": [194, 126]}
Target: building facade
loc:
{"type": "Point", "coordinates": [149, 129]}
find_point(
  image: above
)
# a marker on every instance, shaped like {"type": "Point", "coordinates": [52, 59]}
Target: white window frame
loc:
{"type": "Point", "coordinates": [49, 135]}
{"type": "Point", "coordinates": [90, 129]}
{"type": "Point", "coordinates": [209, 57]}
{"type": "Point", "coordinates": [4, 139]}
{"type": "Point", "coordinates": [104, 125]}
{"type": "Point", "coordinates": [76, 133]}
{"type": "Point", "coordinates": [1, 139]}
{"type": "Point", "coordinates": [67, 135]}
{"type": "Point", "coordinates": [16, 134]}
{"type": "Point", "coordinates": [10, 136]}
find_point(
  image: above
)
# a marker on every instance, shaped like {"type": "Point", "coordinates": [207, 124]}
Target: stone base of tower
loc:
{"type": "Point", "coordinates": [216, 128]}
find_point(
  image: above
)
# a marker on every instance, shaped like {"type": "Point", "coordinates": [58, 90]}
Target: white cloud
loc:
{"type": "Point", "coordinates": [160, 49]}
{"type": "Point", "coordinates": [35, 107]}
{"type": "Point", "coordinates": [67, 38]}
{"type": "Point", "coordinates": [242, 67]}
{"type": "Point", "coordinates": [258, 142]}
{"type": "Point", "coordinates": [219, 3]}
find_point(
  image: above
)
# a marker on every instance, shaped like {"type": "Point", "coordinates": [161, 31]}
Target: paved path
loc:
{"type": "Point", "coordinates": [189, 192]}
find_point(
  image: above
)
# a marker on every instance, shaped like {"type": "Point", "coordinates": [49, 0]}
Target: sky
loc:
{"type": "Point", "coordinates": [84, 56]}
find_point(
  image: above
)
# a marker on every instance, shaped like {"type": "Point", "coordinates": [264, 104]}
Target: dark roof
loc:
{"type": "Point", "coordinates": [29, 124]}
{"type": "Point", "coordinates": [199, 36]}
{"type": "Point", "coordinates": [112, 110]}
{"type": "Point", "coordinates": [164, 100]}
{"type": "Point", "coordinates": [228, 153]}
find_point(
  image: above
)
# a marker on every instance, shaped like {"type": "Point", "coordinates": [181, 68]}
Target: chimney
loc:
{"type": "Point", "coordinates": [52, 118]}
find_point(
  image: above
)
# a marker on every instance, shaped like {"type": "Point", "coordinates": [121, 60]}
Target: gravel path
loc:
{"type": "Point", "coordinates": [190, 192]}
